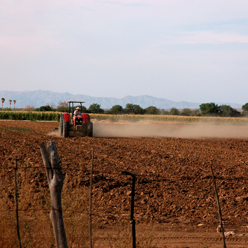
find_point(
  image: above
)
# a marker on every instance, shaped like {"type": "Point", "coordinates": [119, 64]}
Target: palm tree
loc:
{"type": "Point", "coordinates": [10, 101]}
{"type": "Point", "coordinates": [3, 100]}
{"type": "Point", "coordinates": [14, 101]}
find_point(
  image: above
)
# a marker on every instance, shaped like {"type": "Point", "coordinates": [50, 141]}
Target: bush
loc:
{"type": "Point", "coordinates": [116, 109]}
{"type": "Point", "coordinates": [174, 111]}
{"type": "Point", "coordinates": [62, 106]}
{"type": "Point", "coordinates": [186, 112]}
{"type": "Point", "coordinates": [245, 109]}
{"type": "Point", "coordinates": [45, 108]}
{"type": "Point", "coordinates": [129, 108]}
{"type": "Point", "coordinates": [62, 109]}
{"type": "Point", "coordinates": [138, 110]}
{"type": "Point", "coordinates": [228, 111]}
{"type": "Point", "coordinates": [95, 108]}
{"type": "Point", "coordinates": [195, 112]}
{"type": "Point", "coordinates": [164, 112]}
{"type": "Point", "coordinates": [133, 109]}
{"type": "Point", "coordinates": [209, 109]}
{"type": "Point", "coordinates": [151, 110]}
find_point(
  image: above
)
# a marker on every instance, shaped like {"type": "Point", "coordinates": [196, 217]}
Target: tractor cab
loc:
{"type": "Point", "coordinates": [75, 123]}
{"type": "Point", "coordinates": [81, 118]}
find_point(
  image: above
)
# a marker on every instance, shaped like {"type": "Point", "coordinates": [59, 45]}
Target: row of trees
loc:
{"type": "Point", "coordinates": [10, 101]}
{"type": "Point", "coordinates": [212, 109]}
{"type": "Point", "coordinates": [118, 109]}
{"type": "Point", "coordinates": [206, 109]}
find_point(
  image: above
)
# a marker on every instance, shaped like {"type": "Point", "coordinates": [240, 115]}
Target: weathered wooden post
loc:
{"type": "Point", "coordinates": [55, 180]}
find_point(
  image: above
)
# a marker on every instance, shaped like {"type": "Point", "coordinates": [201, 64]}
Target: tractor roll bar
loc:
{"type": "Point", "coordinates": [70, 101]}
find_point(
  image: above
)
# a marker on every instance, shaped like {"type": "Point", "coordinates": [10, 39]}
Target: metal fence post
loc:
{"type": "Point", "coordinates": [219, 209]}
{"type": "Point", "coordinates": [16, 203]}
{"type": "Point", "coordinates": [132, 206]}
{"type": "Point", "coordinates": [90, 207]}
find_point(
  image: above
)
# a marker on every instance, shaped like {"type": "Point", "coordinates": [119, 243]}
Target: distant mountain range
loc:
{"type": "Point", "coordinates": [39, 98]}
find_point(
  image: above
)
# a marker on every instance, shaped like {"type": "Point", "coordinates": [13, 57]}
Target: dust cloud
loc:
{"type": "Point", "coordinates": [149, 129]}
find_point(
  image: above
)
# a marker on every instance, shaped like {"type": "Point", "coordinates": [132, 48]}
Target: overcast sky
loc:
{"type": "Point", "coordinates": [182, 50]}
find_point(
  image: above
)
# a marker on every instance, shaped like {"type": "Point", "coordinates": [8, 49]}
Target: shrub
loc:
{"type": "Point", "coordinates": [195, 112]}
{"type": "Point", "coordinates": [116, 109]}
{"type": "Point", "coordinates": [174, 111]}
{"type": "Point", "coordinates": [186, 112]}
{"type": "Point", "coordinates": [45, 108]}
{"type": "Point", "coordinates": [245, 109]}
{"type": "Point", "coordinates": [133, 109]}
{"type": "Point", "coordinates": [152, 110]}
{"type": "Point", "coordinates": [138, 110]}
{"type": "Point", "coordinates": [164, 112]}
{"type": "Point", "coordinates": [210, 109]}
{"type": "Point", "coordinates": [228, 111]}
{"type": "Point", "coordinates": [95, 108]}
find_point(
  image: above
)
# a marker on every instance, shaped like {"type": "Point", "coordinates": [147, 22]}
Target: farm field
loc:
{"type": "Point", "coordinates": [175, 203]}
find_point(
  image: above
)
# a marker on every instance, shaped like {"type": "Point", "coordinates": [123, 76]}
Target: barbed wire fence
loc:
{"type": "Point", "coordinates": [93, 175]}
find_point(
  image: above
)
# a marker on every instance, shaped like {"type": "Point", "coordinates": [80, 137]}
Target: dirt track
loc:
{"type": "Point", "coordinates": [174, 186]}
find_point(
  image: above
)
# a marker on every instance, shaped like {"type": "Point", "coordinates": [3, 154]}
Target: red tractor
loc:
{"type": "Point", "coordinates": [72, 125]}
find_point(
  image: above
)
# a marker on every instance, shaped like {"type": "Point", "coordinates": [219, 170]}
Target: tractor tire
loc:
{"type": "Point", "coordinates": [65, 129]}
{"type": "Point", "coordinates": [61, 126]}
{"type": "Point", "coordinates": [90, 129]}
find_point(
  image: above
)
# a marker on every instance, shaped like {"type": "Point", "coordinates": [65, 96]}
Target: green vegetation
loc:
{"type": "Point", "coordinates": [212, 109]}
{"type": "Point", "coordinates": [21, 128]}
{"type": "Point", "coordinates": [209, 109]}
{"type": "Point", "coordinates": [205, 109]}
{"type": "Point", "coordinates": [245, 109]}
{"type": "Point", "coordinates": [228, 111]}
{"type": "Point", "coordinates": [152, 110]}
{"type": "Point", "coordinates": [174, 111]}
{"type": "Point", "coordinates": [116, 109]}
{"type": "Point", "coordinates": [62, 106]}
{"type": "Point", "coordinates": [28, 115]}
{"type": "Point", "coordinates": [95, 108]}
{"type": "Point", "coordinates": [45, 108]}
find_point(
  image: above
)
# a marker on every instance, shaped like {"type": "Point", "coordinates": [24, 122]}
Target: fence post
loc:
{"type": "Point", "coordinates": [90, 200]}
{"type": "Point", "coordinates": [132, 206]}
{"type": "Point", "coordinates": [55, 180]}
{"type": "Point", "coordinates": [219, 209]}
{"type": "Point", "coordinates": [16, 203]}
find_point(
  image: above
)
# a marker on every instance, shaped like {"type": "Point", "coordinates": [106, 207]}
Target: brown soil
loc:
{"type": "Point", "coordinates": [174, 190]}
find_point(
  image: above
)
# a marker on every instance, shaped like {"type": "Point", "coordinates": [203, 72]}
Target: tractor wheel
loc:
{"type": "Point", "coordinates": [90, 129]}
{"type": "Point", "coordinates": [61, 126]}
{"type": "Point", "coordinates": [65, 129]}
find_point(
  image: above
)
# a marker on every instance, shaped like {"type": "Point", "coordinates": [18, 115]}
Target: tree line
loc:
{"type": "Point", "coordinates": [205, 109]}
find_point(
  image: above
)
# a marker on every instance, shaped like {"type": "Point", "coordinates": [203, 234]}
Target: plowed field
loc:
{"type": "Point", "coordinates": [174, 189]}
